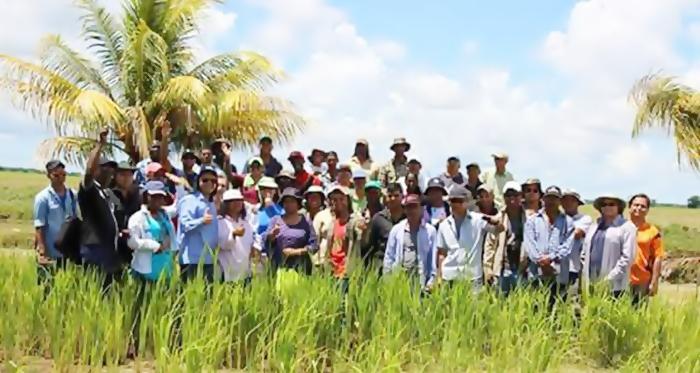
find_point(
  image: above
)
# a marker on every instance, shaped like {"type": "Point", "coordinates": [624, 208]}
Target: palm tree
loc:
{"type": "Point", "coordinates": [662, 102]}
{"type": "Point", "coordinates": [143, 73]}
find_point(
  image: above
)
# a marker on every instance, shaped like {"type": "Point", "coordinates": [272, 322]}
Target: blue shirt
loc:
{"type": "Point", "coordinates": [50, 212]}
{"type": "Point", "coordinates": [140, 174]}
{"type": "Point", "coordinates": [597, 245]}
{"type": "Point", "coordinates": [266, 214]}
{"type": "Point", "coordinates": [555, 240]}
{"type": "Point", "coordinates": [196, 239]}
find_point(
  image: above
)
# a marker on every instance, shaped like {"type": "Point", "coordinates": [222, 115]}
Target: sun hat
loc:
{"type": "Point", "coordinates": [267, 183]}
{"type": "Point", "coordinates": [125, 166]}
{"type": "Point", "coordinates": [500, 155]}
{"type": "Point", "coordinates": [291, 193]}
{"type": "Point", "coordinates": [362, 141]}
{"type": "Point", "coordinates": [598, 203]}
{"type": "Point", "coordinates": [512, 185]}
{"type": "Point", "coordinates": [484, 187]}
{"type": "Point", "coordinates": [232, 195]}
{"type": "Point", "coordinates": [313, 152]}
{"type": "Point", "coordinates": [314, 189]}
{"type": "Point", "coordinates": [436, 183]}
{"type": "Point", "coordinates": [400, 141]}
{"type": "Point", "coordinates": [284, 174]}
{"type": "Point", "coordinates": [552, 191]}
{"type": "Point", "coordinates": [359, 174]}
{"type": "Point", "coordinates": [106, 162]}
{"type": "Point", "coordinates": [574, 194]}
{"type": "Point", "coordinates": [255, 159]}
{"type": "Point", "coordinates": [373, 184]}
{"type": "Point", "coordinates": [54, 164]}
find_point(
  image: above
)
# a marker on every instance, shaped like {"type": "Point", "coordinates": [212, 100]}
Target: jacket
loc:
{"type": "Point", "coordinates": [353, 239]}
{"type": "Point", "coordinates": [497, 244]}
{"type": "Point", "coordinates": [141, 242]}
{"type": "Point", "coordinates": [426, 251]}
{"type": "Point", "coordinates": [618, 253]}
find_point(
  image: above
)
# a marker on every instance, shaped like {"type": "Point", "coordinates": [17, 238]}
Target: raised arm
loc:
{"type": "Point", "coordinates": [94, 158]}
{"type": "Point", "coordinates": [165, 132]}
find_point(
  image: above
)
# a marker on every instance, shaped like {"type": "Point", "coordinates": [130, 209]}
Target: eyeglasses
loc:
{"type": "Point", "coordinates": [208, 180]}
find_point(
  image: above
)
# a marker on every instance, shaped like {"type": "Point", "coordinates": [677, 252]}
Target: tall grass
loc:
{"type": "Point", "coordinates": [384, 325]}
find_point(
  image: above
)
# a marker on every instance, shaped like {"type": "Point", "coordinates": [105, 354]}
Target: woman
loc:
{"type": "Point", "coordinates": [315, 201]}
{"type": "Point", "coordinates": [411, 185]}
{"type": "Point", "coordinates": [290, 237]}
{"type": "Point", "coordinates": [362, 159]}
{"type": "Point", "coordinates": [609, 246]}
{"type": "Point", "coordinates": [236, 239]}
{"type": "Point", "coordinates": [646, 268]}
{"type": "Point", "coordinates": [268, 207]}
{"type": "Point", "coordinates": [251, 180]}
{"type": "Point", "coordinates": [198, 228]}
{"type": "Point", "coordinates": [221, 187]}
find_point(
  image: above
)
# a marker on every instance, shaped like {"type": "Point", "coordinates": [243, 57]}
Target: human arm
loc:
{"type": "Point", "coordinates": [138, 241]}
{"type": "Point", "coordinates": [187, 213]}
{"type": "Point", "coordinates": [657, 247]}
{"type": "Point", "coordinates": [165, 132]}
{"type": "Point", "coordinates": [310, 246]}
{"type": "Point", "coordinates": [628, 245]}
{"type": "Point", "coordinates": [389, 261]}
{"type": "Point", "coordinates": [431, 272]}
{"type": "Point", "coordinates": [491, 246]}
{"type": "Point", "coordinates": [93, 159]}
{"type": "Point", "coordinates": [41, 210]}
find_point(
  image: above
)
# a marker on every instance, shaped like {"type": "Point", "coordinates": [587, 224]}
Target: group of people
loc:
{"type": "Point", "coordinates": [483, 228]}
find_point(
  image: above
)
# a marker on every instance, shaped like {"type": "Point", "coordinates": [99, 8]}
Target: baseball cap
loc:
{"type": "Point", "coordinates": [436, 183]}
{"type": "Point", "coordinates": [473, 164]}
{"type": "Point", "coordinates": [459, 192]}
{"type": "Point", "coordinates": [374, 184]}
{"type": "Point", "coordinates": [453, 159]}
{"type": "Point", "coordinates": [209, 169]}
{"type": "Point", "coordinates": [411, 199]}
{"type": "Point", "coordinates": [296, 155]}
{"type": "Point", "coordinates": [485, 188]}
{"type": "Point", "coordinates": [153, 167]}
{"type": "Point", "coordinates": [54, 164]}
{"type": "Point", "coordinates": [500, 155]}
{"type": "Point", "coordinates": [512, 185]}
{"type": "Point", "coordinates": [553, 191]}
{"type": "Point", "coordinates": [362, 141]}
{"type": "Point", "coordinates": [359, 174]}
{"type": "Point", "coordinates": [232, 195]}
{"type": "Point", "coordinates": [155, 187]}
{"type": "Point", "coordinates": [414, 161]}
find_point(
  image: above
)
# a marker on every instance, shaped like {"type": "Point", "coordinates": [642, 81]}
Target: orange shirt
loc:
{"type": "Point", "coordinates": [339, 248]}
{"type": "Point", "coordinates": [649, 248]}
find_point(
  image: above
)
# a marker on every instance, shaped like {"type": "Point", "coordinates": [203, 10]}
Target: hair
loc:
{"type": "Point", "coordinates": [393, 188]}
{"type": "Point", "coordinates": [333, 153]}
{"type": "Point", "coordinates": [639, 195]}
{"type": "Point", "coordinates": [213, 193]}
{"type": "Point", "coordinates": [354, 153]}
{"type": "Point", "coordinates": [225, 204]}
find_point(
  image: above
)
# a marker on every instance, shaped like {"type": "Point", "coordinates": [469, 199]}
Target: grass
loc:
{"type": "Point", "coordinates": [385, 326]}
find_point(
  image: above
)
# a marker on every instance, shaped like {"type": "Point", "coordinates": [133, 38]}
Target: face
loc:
{"type": "Point", "coordinates": [207, 183]}
{"type": "Point", "coordinates": [411, 180]}
{"type": "Point", "coordinates": [500, 163]}
{"type": "Point", "coordinates": [256, 169]}
{"type": "Point", "coordinates": [106, 175]}
{"type": "Point", "coordinates": [157, 176]}
{"type": "Point", "coordinates": [291, 206]}
{"type": "Point", "coordinates": [531, 192]}
{"type": "Point", "coordinates": [265, 147]}
{"type": "Point", "coordinates": [155, 154]}
{"type": "Point", "coordinates": [339, 201]}
{"type": "Point", "coordinates": [413, 212]}
{"type": "Point", "coordinates": [360, 183]}
{"type": "Point", "coordinates": [297, 164]}
{"type": "Point", "coordinates": [485, 198]}
{"type": "Point", "coordinates": [414, 168]}
{"type": "Point", "coordinates": [453, 167]}
{"type": "Point", "coordinates": [314, 200]}
{"type": "Point", "coordinates": [234, 208]}
{"type": "Point", "coordinates": [156, 202]}
{"type": "Point", "coordinates": [284, 182]}
{"type": "Point", "coordinates": [473, 172]}
{"type": "Point", "coordinates": [513, 199]}
{"type": "Point", "coordinates": [458, 206]}
{"type": "Point", "coordinates": [189, 161]}
{"type": "Point", "coordinates": [206, 156]}
{"type": "Point", "coordinates": [551, 202]}
{"type": "Point", "coordinates": [373, 195]}
{"type": "Point", "coordinates": [361, 150]}
{"type": "Point", "coordinates": [221, 183]}
{"type": "Point", "coordinates": [393, 200]}
{"type": "Point", "coordinates": [639, 207]}
{"type": "Point", "coordinates": [399, 150]}
{"type": "Point", "coordinates": [57, 175]}
{"type": "Point", "coordinates": [332, 162]}
{"type": "Point", "coordinates": [570, 204]}
{"type": "Point", "coordinates": [344, 177]}
{"type": "Point", "coordinates": [317, 158]}
{"type": "Point", "coordinates": [435, 197]}
{"type": "Point", "coordinates": [124, 178]}
{"type": "Point", "coordinates": [609, 208]}
{"type": "Point", "coordinates": [267, 192]}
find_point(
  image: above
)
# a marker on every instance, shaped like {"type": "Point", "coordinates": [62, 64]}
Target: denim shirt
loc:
{"type": "Point", "coordinates": [426, 251]}
{"type": "Point", "coordinates": [196, 240]}
{"type": "Point", "coordinates": [50, 212]}
{"type": "Point", "coordinates": [555, 241]}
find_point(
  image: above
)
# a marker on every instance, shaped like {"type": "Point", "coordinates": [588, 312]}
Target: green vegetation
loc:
{"type": "Point", "coordinates": [385, 326]}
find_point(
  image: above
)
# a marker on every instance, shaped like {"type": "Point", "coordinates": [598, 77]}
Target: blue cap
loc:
{"type": "Point", "coordinates": [154, 187]}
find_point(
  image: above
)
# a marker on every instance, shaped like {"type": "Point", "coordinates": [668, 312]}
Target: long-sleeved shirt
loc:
{"type": "Point", "coordinates": [462, 243]}
{"type": "Point", "coordinates": [296, 236]}
{"type": "Point", "coordinates": [542, 238]}
{"type": "Point", "coordinates": [379, 229]}
{"type": "Point", "coordinates": [504, 251]}
{"type": "Point", "coordinates": [393, 171]}
{"type": "Point", "coordinates": [196, 239]}
{"type": "Point", "coordinates": [234, 254]}
{"type": "Point", "coordinates": [144, 244]}
{"type": "Point", "coordinates": [426, 243]}
{"type": "Point", "coordinates": [497, 182]}
{"type": "Point", "coordinates": [618, 254]}
{"type": "Point", "coordinates": [582, 222]}
{"type": "Point", "coordinates": [50, 212]}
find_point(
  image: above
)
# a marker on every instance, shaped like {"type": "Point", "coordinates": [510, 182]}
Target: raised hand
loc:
{"type": "Point", "coordinates": [103, 135]}
{"type": "Point", "coordinates": [166, 130]}
{"type": "Point", "coordinates": [207, 218]}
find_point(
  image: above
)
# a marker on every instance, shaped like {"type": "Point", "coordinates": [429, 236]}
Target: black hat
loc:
{"type": "Point", "coordinates": [436, 183]}
{"type": "Point", "coordinates": [453, 159]}
{"type": "Point", "coordinates": [54, 164]}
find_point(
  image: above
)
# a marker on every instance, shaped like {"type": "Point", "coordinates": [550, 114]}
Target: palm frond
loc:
{"type": "Point", "coordinates": [141, 130]}
{"type": "Point", "coordinates": [146, 64]}
{"type": "Point", "coordinates": [58, 57]}
{"type": "Point", "coordinates": [73, 149]}
{"type": "Point", "coordinates": [105, 39]}
{"type": "Point", "coordinates": [232, 71]}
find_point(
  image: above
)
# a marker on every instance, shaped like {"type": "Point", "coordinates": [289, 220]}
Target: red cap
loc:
{"type": "Point", "coordinates": [296, 155]}
{"type": "Point", "coordinates": [153, 168]}
{"type": "Point", "coordinates": [411, 199]}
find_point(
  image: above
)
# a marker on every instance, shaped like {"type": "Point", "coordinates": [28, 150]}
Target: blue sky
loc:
{"type": "Point", "coordinates": [546, 81]}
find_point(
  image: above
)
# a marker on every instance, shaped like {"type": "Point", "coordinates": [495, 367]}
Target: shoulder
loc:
{"type": "Point", "coordinates": [43, 195]}
{"type": "Point", "coordinates": [430, 229]}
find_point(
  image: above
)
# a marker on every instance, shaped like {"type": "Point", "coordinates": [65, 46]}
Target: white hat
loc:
{"type": "Point", "coordinates": [512, 185]}
{"type": "Point", "coordinates": [232, 195]}
{"type": "Point", "coordinates": [598, 203]}
{"type": "Point", "coordinates": [314, 189]}
{"type": "Point", "coordinates": [573, 193]}
{"type": "Point", "coordinates": [500, 155]}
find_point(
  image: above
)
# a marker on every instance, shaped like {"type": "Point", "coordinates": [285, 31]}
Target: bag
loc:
{"type": "Point", "coordinates": [68, 240]}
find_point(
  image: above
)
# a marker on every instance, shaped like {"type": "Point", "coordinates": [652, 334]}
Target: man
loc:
{"type": "Point", "coordinates": [571, 201]}
{"type": "Point", "coordinates": [397, 166]}
{"type": "Point", "coordinates": [285, 179]}
{"type": "Point", "coordinates": [486, 202]}
{"type": "Point", "coordinates": [302, 179]}
{"type": "Point", "coordinates": [52, 207]}
{"type": "Point", "coordinates": [547, 239]}
{"type": "Point", "coordinates": [328, 178]}
{"type": "Point", "coordinates": [272, 166]}
{"type": "Point", "coordinates": [154, 153]}
{"type": "Point", "coordinates": [645, 271]}
{"type": "Point", "coordinates": [473, 182]}
{"type": "Point", "coordinates": [379, 227]}
{"type": "Point", "coordinates": [221, 149]}
{"type": "Point", "coordinates": [373, 191]}
{"type": "Point", "coordinates": [505, 260]}
{"type": "Point", "coordinates": [452, 176]}
{"type": "Point", "coordinates": [361, 159]}
{"type": "Point", "coordinates": [436, 209]}
{"type": "Point", "coordinates": [126, 201]}
{"type": "Point", "coordinates": [344, 177]}
{"type": "Point", "coordinates": [411, 246]}
{"type": "Point", "coordinates": [532, 191]}
{"type": "Point", "coordinates": [190, 168]}
{"type": "Point", "coordinates": [99, 230]}
{"type": "Point", "coordinates": [460, 241]}
{"type": "Point", "coordinates": [414, 167]}
{"type": "Point", "coordinates": [497, 178]}
{"type": "Point", "coordinates": [359, 199]}
{"type": "Point", "coordinates": [317, 159]}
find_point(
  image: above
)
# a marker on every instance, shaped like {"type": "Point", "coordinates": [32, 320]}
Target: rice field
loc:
{"type": "Point", "coordinates": [302, 324]}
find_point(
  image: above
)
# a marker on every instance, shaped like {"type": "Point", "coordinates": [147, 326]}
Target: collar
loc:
{"type": "Point", "coordinates": [407, 226]}
{"type": "Point", "coordinates": [619, 220]}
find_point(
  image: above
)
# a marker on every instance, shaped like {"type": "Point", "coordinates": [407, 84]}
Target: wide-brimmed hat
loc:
{"type": "Point", "coordinates": [552, 191]}
{"type": "Point", "coordinates": [400, 141]}
{"type": "Point", "coordinates": [232, 195]}
{"type": "Point", "coordinates": [339, 189]}
{"type": "Point", "coordinates": [267, 183]}
{"type": "Point", "coordinates": [256, 159]}
{"type": "Point", "coordinates": [574, 194]}
{"type": "Point", "coordinates": [106, 162]}
{"type": "Point", "coordinates": [359, 173]}
{"type": "Point", "coordinates": [157, 188]}
{"type": "Point", "coordinates": [598, 203]}
{"type": "Point", "coordinates": [315, 151]}
{"type": "Point", "coordinates": [362, 141]}
{"type": "Point", "coordinates": [291, 193]}
{"type": "Point", "coordinates": [485, 187]}
{"type": "Point", "coordinates": [460, 192]}
{"type": "Point", "coordinates": [436, 183]}
{"type": "Point", "coordinates": [512, 185]}
{"type": "Point", "coordinates": [500, 155]}
{"type": "Point", "coordinates": [284, 174]}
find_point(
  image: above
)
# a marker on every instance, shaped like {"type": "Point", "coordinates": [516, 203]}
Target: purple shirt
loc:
{"type": "Point", "coordinates": [291, 236]}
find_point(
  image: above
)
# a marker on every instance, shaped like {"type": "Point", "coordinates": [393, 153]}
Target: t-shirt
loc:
{"type": "Point", "coordinates": [339, 248]}
{"type": "Point", "coordinates": [437, 214]}
{"type": "Point", "coordinates": [410, 251]}
{"type": "Point", "coordinates": [649, 248]}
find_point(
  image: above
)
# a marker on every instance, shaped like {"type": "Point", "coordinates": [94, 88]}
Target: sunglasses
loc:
{"type": "Point", "coordinates": [208, 180]}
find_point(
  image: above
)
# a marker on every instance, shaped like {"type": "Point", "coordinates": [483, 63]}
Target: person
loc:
{"type": "Point", "coordinates": [436, 209]}
{"type": "Point", "coordinates": [645, 271]}
{"type": "Point", "coordinates": [190, 167]}
{"type": "Point", "coordinates": [397, 167]}
{"type": "Point", "coordinates": [497, 178]}
{"type": "Point", "coordinates": [255, 173]}
{"type": "Point", "coordinates": [359, 199]}
{"type": "Point", "coordinates": [411, 246]}
{"type": "Point", "coordinates": [317, 159]}
{"type": "Point", "coordinates": [290, 237]}
{"type": "Point", "coordinates": [452, 176]}
{"type": "Point", "coordinates": [269, 206]}
{"type": "Point", "coordinates": [410, 185]}
{"type": "Point", "coordinates": [609, 247]}
{"type": "Point", "coordinates": [52, 207]}
{"type": "Point", "coordinates": [329, 176]}
{"type": "Point", "coordinates": [344, 176]}
{"type": "Point", "coordinates": [285, 179]}
{"type": "Point", "coordinates": [271, 164]}
{"type": "Point", "coordinates": [486, 201]}
{"type": "Point", "coordinates": [341, 238]}
{"type": "Point", "coordinates": [221, 150]}
{"type": "Point", "coordinates": [505, 259]}
{"type": "Point", "coordinates": [315, 201]}
{"type": "Point", "coordinates": [99, 230]}
{"type": "Point", "coordinates": [221, 187]}
{"type": "Point", "coordinates": [376, 236]}
{"type": "Point", "coordinates": [460, 241]}
{"type": "Point", "coordinates": [571, 201]}
{"type": "Point", "coordinates": [532, 192]}
{"type": "Point", "coordinates": [547, 239]}
{"type": "Point", "coordinates": [126, 203]}
{"type": "Point", "coordinates": [154, 155]}
{"type": "Point", "coordinates": [473, 181]}
{"type": "Point", "coordinates": [373, 191]}
{"type": "Point", "coordinates": [302, 179]}
{"type": "Point", "coordinates": [415, 167]}
{"type": "Point", "coordinates": [361, 159]}
{"type": "Point", "coordinates": [236, 239]}
{"type": "Point", "coordinates": [198, 228]}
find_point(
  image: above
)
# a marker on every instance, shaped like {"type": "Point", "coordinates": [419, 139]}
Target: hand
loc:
{"type": "Point", "coordinates": [124, 233]}
{"type": "Point", "coordinates": [42, 259]}
{"type": "Point", "coordinates": [103, 136]}
{"type": "Point", "coordinates": [275, 231]}
{"type": "Point", "coordinates": [493, 220]}
{"type": "Point", "coordinates": [579, 234]}
{"type": "Point", "coordinates": [545, 261]}
{"type": "Point", "coordinates": [166, 130]}
{"type": "Point", "coordinates": [267, 202]}
{"type": "Point", "coordinates": [287, 252]}
{"type": "Point", "coordinates": [164, 246]}
{"type": "Point", "coordinates": [362, 224]}
{"type": "Point", "coordinates": [207, 218]}
{"type": "Point", "coordinates": [226, 149]}
{"type": "Point", "coordinates": [653, 288]}
{"type": "Point", "coordinates": [238, 232]}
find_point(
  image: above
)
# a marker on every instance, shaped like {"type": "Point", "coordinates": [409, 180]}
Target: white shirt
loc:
{"type": "Point", "coordinates": [464, 254]}
{"type": "Point", "coordinates": [582, 222]}
{"type": "Point", "coordinates": [234, 257]}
